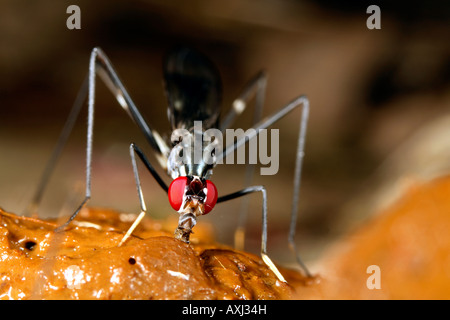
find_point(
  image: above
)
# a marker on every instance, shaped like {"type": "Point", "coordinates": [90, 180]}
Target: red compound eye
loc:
{"type": "Point", "coordinates": [211, 196]}
{"type": "Point", "coordinates": [176, 192]}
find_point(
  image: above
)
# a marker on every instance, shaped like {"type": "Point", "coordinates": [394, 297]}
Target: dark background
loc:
{"type": "Point", "coordinates": [379, 102]}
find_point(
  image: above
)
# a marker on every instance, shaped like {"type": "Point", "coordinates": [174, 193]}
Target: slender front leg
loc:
{"type": "Point", "coordinates": [264, 254]}
{"type": "Point", "coordinates": [149, 166]}
{"type": "Point", "coordinates": [265, 123]}
{"type": "Point", "coordinates": [134, 149]}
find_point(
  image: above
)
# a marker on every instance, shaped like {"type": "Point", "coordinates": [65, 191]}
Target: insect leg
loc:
{"type": "Point", "coordinates": [99, 63]}
{"type": "Point", "coordinates": [149, 167]}
{"type": "Point", "coordinates": [109, 76]}
{"type": "Point", "coordinates": [265, 123]}
{"type": "Point", "coordinates": [134, 149]}
{"type": "Point", "coordinates": [67, 129]}
{"type": "Point", "coordinates": [264, 255]}
{"type": "Point", "coordinates": [256, 88]}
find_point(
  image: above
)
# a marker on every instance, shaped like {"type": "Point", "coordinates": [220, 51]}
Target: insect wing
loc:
{"type": "Point", "coordinates": [193, 88]}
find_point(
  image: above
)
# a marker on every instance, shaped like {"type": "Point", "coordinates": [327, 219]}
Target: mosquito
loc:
{"type": "Point", "coordinates": [194, 91]}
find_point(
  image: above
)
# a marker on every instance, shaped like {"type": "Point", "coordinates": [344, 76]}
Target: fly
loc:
{"type": "Point", "coordinates": [193, 89]}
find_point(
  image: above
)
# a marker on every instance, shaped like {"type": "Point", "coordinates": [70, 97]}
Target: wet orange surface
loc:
{"type": "Point", "coordinates": [85, 262]}
{"type": "Point", "coordinates": [409, 243]}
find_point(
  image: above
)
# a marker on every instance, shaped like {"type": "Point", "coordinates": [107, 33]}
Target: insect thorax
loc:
{"type": "Point", "coordinates": [193, 154]}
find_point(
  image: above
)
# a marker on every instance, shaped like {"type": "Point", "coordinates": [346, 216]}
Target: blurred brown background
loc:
{"type": "Point", "coordinates": [380, 102]}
